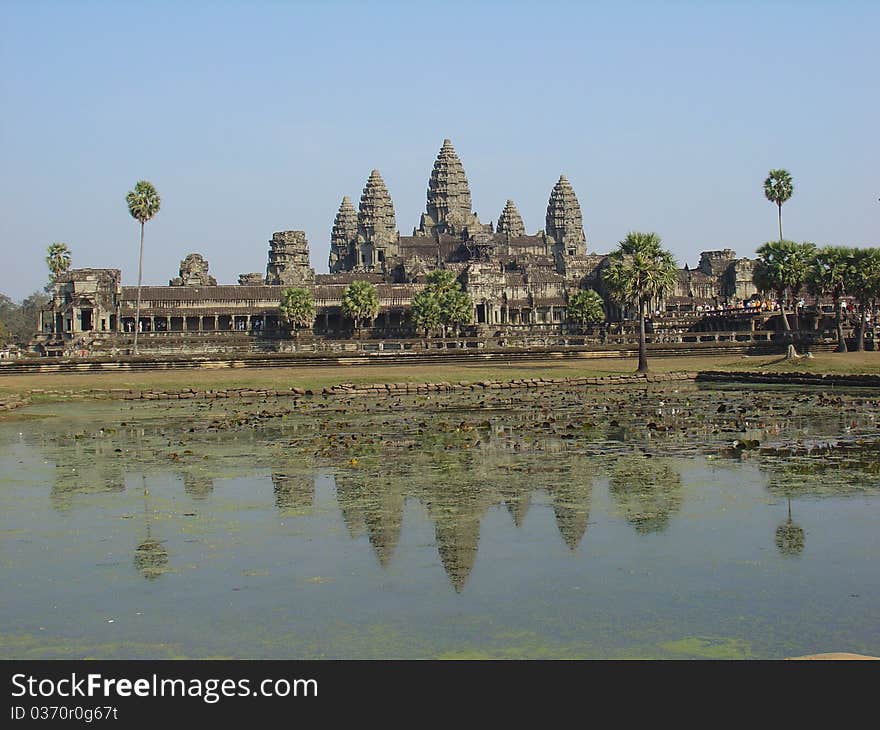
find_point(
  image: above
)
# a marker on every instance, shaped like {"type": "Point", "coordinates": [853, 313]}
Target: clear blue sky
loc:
{"type": "Point", "coordinates": [254, 117]}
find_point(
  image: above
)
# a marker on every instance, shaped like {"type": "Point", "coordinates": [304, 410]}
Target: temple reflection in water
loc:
{"type": "Point", "coordinates": [458, 462]}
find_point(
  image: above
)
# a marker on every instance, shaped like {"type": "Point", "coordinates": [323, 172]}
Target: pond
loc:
{"type": "Point", "coordinates": [628, 522]}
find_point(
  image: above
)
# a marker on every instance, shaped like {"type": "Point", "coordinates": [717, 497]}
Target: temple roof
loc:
{"type": "Point", "coordinates": [525, 241]}
{"type": "Point", "coordinates": [224, 292]}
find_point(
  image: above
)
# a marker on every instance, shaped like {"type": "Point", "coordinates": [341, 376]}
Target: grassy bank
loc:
{"type": "Point", "coordinates": [64, 385]}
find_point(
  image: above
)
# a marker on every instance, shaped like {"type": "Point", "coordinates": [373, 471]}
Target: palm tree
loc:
{"type": "Point", "coordinates": [297, 308]}
{"type": "Point", "coordinates": [778, 188]}
{"type": "Point", "coordinates": [783, 266]}
{"type": "Point", "coordinates": [829, 276]}
{"type": "Point", "coordinates": [639, 271]}
{"type": "Point", "coordinates": [58, 260]}
{"type": "Point", "coordinates": [143, 204]}
{"type": "Point", "coordinates": [801, 261]}
{"type": "Point", "coordinates": [864, 284]}
{"type": "Point", "coordinates": [360, 302]}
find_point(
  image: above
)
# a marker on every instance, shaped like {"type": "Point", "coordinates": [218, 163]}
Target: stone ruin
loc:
{"type": "Point", "coordinates": [253, 279]}
{"type": "Point", "coordinates": [289, 260]}
{"type": "Point", "coordinates": [193, 272]}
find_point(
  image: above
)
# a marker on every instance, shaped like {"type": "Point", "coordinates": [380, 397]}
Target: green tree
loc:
{"type": "Point", "coordinates": [585, 307]}
{"type": "Point", "coordinates": [9, 315]}
{"type": "Point", "coordinates": [360, 303]}
{"type": "Point", "coordinates": [442, 280]}
{"type": "Point", "coordinates": [640, 270]}
{"type": "Point", "coordinates": [800, 263]}
{"type": "Point", "coordinates": [297, 307]}
{"type": "Point", "coordinates": [29, 316]}
{"type": "Point", "coordinates": [19, 321]}
{"type": "Point", "coordinates": [784, 266]}
{"type": "Point", "coordinates": [456, 308]}
{"type": "Point", "coordinates": [829, 276]}
{"type": "Point", "coordinates": [425, 311]}
{"type": "Point", "coordinates": [864, 285]}
{"type": "Point", "coordinates": [143, 205]}
{"type": "Point", "coordinates": [778, 188]}
{"type": "Point", "coordinates": [58, 260]}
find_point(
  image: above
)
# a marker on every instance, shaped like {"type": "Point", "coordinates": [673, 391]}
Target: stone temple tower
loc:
{"type": "Point", "coordinates": [289, 260]}
{"type": "Point", "coordinates": [343, 238]}
{"type": "Point", "coordinates": [565, 224]}
{"type": "Point", "coordinates": [377, 236]}
{"type": "Point", "coordinates": [510, 222]}
{"type": "Point", "coordinates": [449, 197]}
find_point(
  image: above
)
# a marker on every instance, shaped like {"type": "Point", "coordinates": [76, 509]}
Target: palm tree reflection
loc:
{"type": "Point", "coordinates": [150, 557]}
{"type": "Point", "coordinates": [790, 536]}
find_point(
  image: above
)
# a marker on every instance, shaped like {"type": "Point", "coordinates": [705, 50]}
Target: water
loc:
{"type": "Point", "coordinates": [604, 523]}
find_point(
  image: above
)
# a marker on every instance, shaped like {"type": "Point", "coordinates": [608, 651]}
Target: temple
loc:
{"type": "Point", "coordinates": [515, 279]}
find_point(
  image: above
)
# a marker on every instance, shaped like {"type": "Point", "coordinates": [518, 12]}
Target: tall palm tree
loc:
{"type": "Point", "coordinates": [57, 259]}
{"type": "Point", "coordinates": [778, 188]}
{"type": "Point", "coordinates": [640, 270]}
{"type": "Point", "coordinates": [143, 204]}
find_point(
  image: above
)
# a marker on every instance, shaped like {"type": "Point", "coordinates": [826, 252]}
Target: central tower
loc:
{"type": "Point", "coordinates": [449, 197]}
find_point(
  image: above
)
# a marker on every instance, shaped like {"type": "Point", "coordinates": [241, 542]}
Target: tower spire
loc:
{"type": "Point", "coordinates": [448, 208]}
{"type": "Point", "coordinates": [565, 224]}
{"type": "Point", "coordinates": [343, 236]}
{"type": "Point", "coordinates": [376, 226]}
{"type": "Point", "coordinates": [510, 222]}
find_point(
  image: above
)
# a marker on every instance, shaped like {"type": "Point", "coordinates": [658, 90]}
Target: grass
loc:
{"type": "Point", "coordinates": [319, 377]}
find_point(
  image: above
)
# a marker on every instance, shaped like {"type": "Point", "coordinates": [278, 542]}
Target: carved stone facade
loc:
{"type": "Point", "coordinates": [83, 300]}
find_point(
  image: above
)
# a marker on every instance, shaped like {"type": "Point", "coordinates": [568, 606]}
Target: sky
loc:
{"type": "Point", "coordinates": [255, 117]}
